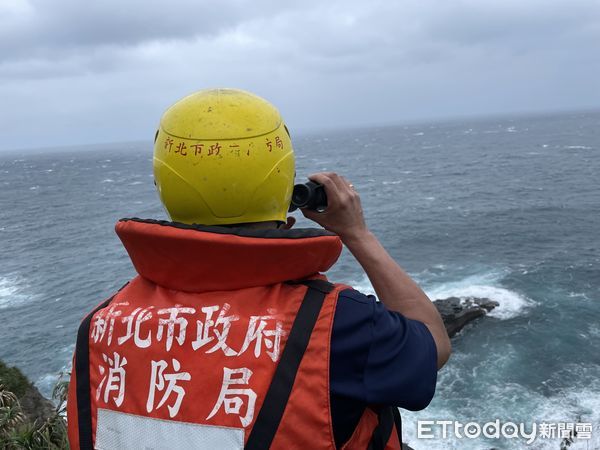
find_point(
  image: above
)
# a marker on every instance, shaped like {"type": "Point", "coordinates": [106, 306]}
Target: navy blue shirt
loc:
{"type": "Point", "coordinates": [378, 357]}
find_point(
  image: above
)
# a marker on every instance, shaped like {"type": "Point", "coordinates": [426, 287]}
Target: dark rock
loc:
{"type": "Point", "coordinates": [35, 406]}
{"type": "Point", "coordinates": [457, 312]}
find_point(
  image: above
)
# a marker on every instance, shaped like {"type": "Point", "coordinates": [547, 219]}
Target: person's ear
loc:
{"type": "Point", "coordinates": [289, 224]}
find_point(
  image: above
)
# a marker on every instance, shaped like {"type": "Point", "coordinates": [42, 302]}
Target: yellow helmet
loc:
{"type": "Point", "coordinates": [223, 156]}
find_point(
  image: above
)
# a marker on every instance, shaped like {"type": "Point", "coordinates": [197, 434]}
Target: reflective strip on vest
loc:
{"type": "Point", "coordinates": [117, 430]}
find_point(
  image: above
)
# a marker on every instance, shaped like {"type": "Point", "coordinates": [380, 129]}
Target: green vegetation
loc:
{"type": "Point", "coordinates": [13, 380]}
{"type": "Point", "coordinates": [17, 430]}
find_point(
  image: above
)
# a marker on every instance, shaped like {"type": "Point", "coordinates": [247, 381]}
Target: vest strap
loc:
{"type": "Point", "coordinates": [82, 373]}
{"type": "Point", "coordinates": [271, 412]}
{"type": "Point", "coordinates": [398, 423]}
{"type": "Point", "coordinates": [383, 430]}
{"type": "Point", "coordinates": [388, 416]}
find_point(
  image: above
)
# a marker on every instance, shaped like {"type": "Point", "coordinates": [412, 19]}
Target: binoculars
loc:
{"type": "Point", "coordinates": [309, 195]}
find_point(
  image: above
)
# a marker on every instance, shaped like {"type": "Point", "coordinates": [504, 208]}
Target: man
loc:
{"type": "Point", "coordinates": [230, 336]}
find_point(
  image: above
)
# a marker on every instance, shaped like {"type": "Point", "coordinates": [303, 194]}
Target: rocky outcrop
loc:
{"type": "Point", "coordinates": [457, 312]}
{"type": "Point", "coordinates": [35, 406]}
{"type": "Point", "coordinates": [27, 419]}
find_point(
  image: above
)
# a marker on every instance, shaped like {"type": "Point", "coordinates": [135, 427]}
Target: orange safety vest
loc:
{"type": "Point", "coordinates": [212, 346]}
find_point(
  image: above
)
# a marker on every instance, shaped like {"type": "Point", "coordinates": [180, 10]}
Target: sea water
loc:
{"type": "Point", "coordinates": [507, 209]}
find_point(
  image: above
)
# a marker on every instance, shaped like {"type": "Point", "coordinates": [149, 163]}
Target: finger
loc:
{"type": "Point", "coordinates": [310, 214]}
{"type": "Point", "coordinates": [347, 184]}
{"type": "Point", "coordinates": [345, 189]}
{"type": "Point", "coordinates": [353, 194]}
{"type": "Point", "coordinates": [321, 177]}
{"type": "Point", "coordinates": [340, 182]}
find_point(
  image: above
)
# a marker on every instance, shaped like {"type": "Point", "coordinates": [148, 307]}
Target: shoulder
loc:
{"type": "Point", "coordinates": [356, 296]}
{"type": "Point", "coordinates": [354, 314]}
{"type": "Point", "coordinates": [393, 357]}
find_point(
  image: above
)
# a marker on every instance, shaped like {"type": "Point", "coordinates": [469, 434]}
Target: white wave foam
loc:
{"type": "Point", "coordinates": [594, 330]}
{"type": "Point", "coordinates": [484, 285]}
{"type": "Point", "coordinates": [47, 382]}
{"type": "Point", "coordinates": [582, 404]}
{"type": "Point", "coordinates": [527, 407]}
{"type": "Point", "coordinates": [107, 180]}
{"type": "Point", "coordinates": [135, 183]}
{"type": "Point", "coordinates": [11, 293]}
{"type": "Point", "coordinates": [7, 290]}
{"type": "Point", "coordinates": [580, 147]}
{"type": "Point", "coordinates": [462, 398]}
{"type": "Point", "coordinates": [578, 295]}
{"type": "Point", "coordinates": [363, 285]}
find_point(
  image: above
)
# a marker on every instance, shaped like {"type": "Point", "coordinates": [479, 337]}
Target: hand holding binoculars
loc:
{"type": "Point", "coordinates": [309, 195]}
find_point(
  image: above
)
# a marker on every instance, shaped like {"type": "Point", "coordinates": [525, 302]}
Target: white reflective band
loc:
{"type": "Point", "coordinates": [117, 430]}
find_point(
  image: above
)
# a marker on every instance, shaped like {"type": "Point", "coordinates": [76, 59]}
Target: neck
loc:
{"type": "Point", "coordinates": [270, 225]}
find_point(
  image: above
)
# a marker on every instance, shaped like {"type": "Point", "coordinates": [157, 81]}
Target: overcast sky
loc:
{"type": "Point", "coordinates": [76, 72]}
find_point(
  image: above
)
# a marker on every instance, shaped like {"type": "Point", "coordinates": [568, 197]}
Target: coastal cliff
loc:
{"type": "Point", "coordinates": [28, 420]}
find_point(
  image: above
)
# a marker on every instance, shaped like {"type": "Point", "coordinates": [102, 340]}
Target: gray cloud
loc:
{"type": "Point", "coordinates": [65, 25]}
{"type": "Point", "coordinates": [101, 71]}
{"type": "Point", "coordinates": [60, 27]}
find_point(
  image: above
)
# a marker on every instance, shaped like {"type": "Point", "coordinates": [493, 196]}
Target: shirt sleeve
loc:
{"type": "Point", "coordinates": [379, 356]}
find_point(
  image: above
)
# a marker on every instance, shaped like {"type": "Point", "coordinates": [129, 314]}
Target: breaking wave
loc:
{"type": "Point", "coordinates": [11, 293]}
{"type": "Point", "coordinates": [513, 403]}
{"type": "Point", "coordinates": [483, 285]}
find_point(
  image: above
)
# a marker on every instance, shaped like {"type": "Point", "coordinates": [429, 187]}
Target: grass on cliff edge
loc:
{"type": "Point", "coordinates": [17, 431]}
{"type": "Point", "coordinates": [13, 380]}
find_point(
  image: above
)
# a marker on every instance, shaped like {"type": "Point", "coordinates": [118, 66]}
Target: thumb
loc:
{"type": "Point", "coordinates": [310, 214]}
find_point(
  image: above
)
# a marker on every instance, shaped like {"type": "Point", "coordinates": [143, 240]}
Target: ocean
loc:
{"type": "Point", "coordinates": [505, 208]}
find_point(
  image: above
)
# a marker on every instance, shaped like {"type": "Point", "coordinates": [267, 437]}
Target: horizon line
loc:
{"type": "Point", "coordinates": [309, 131]}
